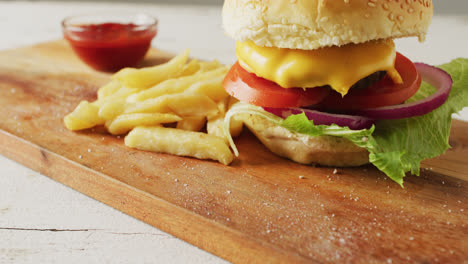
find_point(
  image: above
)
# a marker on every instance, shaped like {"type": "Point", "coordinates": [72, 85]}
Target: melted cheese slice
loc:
{"type": "Point", "coordinates": [339, 67]}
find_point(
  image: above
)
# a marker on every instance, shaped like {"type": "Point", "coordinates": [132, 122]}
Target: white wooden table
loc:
{"type": "Point", "coordinates": [45, 221]}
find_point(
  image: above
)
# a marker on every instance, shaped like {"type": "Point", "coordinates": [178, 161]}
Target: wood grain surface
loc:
{"type": "Point", "coordinates": [262, 208]}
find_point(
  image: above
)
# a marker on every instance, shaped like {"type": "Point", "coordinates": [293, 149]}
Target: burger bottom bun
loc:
{"type": "Point", "coordinates": [321, 150]}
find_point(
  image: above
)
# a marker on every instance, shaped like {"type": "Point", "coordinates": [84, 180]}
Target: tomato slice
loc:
{"type": "Point", "coordinates": [248, 87]}
{"type": "Point", "coordinates": [382, 93]}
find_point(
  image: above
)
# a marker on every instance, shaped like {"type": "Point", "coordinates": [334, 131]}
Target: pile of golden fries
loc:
{"type": "Point", "coordinates": [163, 109]}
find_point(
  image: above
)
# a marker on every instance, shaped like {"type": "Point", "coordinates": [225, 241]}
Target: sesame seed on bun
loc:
{"type": "Point", "coordinates": [311, 24]}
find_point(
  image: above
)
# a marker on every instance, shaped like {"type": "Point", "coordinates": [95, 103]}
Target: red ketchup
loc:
{"type": "Point", "coordinates": [110, 46]}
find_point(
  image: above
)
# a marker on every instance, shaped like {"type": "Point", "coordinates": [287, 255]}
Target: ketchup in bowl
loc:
{"type": "Point", "coordinates": [109, 43]}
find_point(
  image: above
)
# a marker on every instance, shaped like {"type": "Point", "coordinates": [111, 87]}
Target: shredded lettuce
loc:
{"type": "Point", "coordinates": [395, 146]}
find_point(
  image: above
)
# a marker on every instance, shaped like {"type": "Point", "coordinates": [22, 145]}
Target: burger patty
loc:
{"type": "Point", "coordinates": [361, 84]}
{"type": "Point", "coordinates": [369, 80]}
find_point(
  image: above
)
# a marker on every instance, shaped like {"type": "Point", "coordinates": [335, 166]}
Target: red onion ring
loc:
{"type": "Point", "coordinates": [365, 118]}
{"type": "Point", "coordinates": [322, 118]}
{"type": "Point", "coordinates": [432, 75]}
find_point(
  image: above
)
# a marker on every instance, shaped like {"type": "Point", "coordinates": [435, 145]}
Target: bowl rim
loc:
{"type": "Point", "coordinates": [68, 25]}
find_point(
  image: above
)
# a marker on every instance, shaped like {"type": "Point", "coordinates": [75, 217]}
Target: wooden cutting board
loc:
{"type": "Point", "coordinates": [262, 209]}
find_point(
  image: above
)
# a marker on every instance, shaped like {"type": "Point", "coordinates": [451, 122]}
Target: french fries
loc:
{"type": "Point", "coordinates": [147, 77]}
{"type": "Point", "coordinates": [183, 104]}
{"type": "Point", "coordinates": [111, 109]}
{"type": "Point", "coordinates": [190, 68]}
{"type": "Point", "coordinates": [109, 89]}
{"type": "Point", "coordinates": [191, 104]}
{"type": "Point", "coordinates": [215, 124]}
{"type": "Point", "coordinates": [235, 128]}
{"type": "Point", "coordinates": [178, 85]}
{"type": "Point", "coordinates": [84, 116]}
{"type": "Point", "coordinates": [179, 142]}
{"type": "Point", "coordinates": [126, 122]}
{"type": "Point", "coordinates": [195, 123]}
{"type": "Point", "coordinates": [163, 108]}
{"type": "Point", "coordinates": [210, 65]}
{"type": "Point", "coordinates": [211, 88]}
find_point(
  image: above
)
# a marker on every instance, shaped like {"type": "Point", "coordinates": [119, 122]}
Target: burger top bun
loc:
{"type": "Point", "coordinates": [311, 24]}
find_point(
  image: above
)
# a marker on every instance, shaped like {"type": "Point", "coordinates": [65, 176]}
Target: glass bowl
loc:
{"type": "Point", "coordinates": [109, 42]}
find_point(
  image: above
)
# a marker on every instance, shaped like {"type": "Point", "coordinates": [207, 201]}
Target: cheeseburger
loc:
{"type": "Point", "coordinates": [320, 81]}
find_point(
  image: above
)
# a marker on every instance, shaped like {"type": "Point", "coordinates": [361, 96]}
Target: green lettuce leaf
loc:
{"type": "Point", "coordinates": [401, 145]}
{"type": "Point", "coordinates": [395, 146]}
